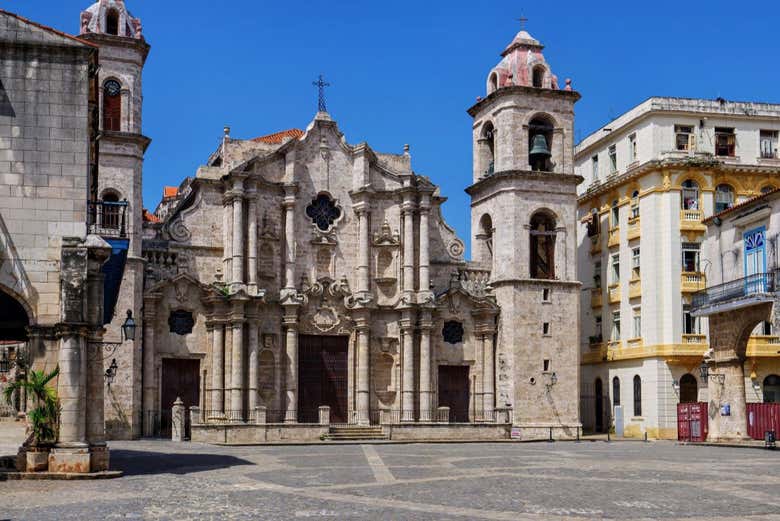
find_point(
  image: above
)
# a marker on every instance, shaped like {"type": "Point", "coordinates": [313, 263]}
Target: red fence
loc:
{"type": "Point", "coordinates": [692, 422]}
{"type": "Point", "coordinates": [763, 417]}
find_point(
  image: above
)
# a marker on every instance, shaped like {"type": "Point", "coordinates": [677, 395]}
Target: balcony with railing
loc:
{"type": "Point", "coordinates": [694, 339]}
{"type": "Point", "coordinates": [108, 218]}
{"type": "Point", "coordinates": [763, 345]}
{"type": "Point", "coordinates": [747, 291]}
{"type": "Point", "coordinates": [595, 298]}
{"type": "Point", "coordinates": [692, 281]}
{"type": "Point", "coordinates": [690, 220]}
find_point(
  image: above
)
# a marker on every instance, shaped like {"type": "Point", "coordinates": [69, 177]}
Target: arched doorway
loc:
{"type": "Point", "coordinates": [599, 406]}
{"type": "Point", "coordinates": [13, 335]}
{"type": "Point", "coordinates": [689, 389]}
{"type": "Point", "coordinates": [772, 389]}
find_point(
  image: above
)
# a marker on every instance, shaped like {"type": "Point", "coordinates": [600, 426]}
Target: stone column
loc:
{"type": "Point", "coordinates": [289, 232]}
{"type": "Point", "coordinates": [227, 239]}
{"type": "Point", "coordinates": [252, 241]}
{"type": "Point", "coordinates": [254, 363]}
{"type": "Point", "coordinates": [364, 247]}
{"type": "Point", "coordinates": [291, 375]}
{"type": "Point", "coordinates": [426, 395]}
{"type": "Point", "coordinates": [488, 374]}
{"type": "Point", "coordinates": [237, 370]}
{"type": "Point", "coordinates": [729, 389]}
{"type": "Point", "coordinates": [238, 233]}
{"type": "Point", "coordinates": [425, 259]}
{"type": "Point", "coordinates": [218, 371]}
{"type": "Point", "coordinates": [149, 374]}
{"type": "Point", "coordinates": [363, 355]}
{"type": "Point", "coordinates": [407, 378]}
{"type": "Point", "coordinates": [408, 213]}
{"type": "Point", "coordinates": [71, 388]}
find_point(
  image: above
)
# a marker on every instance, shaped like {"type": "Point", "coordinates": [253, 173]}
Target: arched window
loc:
{"type": "Point", "coordinates": [599, 391]}
{"type": "Point", "coordinates": [690, 195]}
{"type": "Point", "coordinates": [493, 83]}
{"type": "Point", "coordinates": [766, 189]}
{"type": "Point", "coordinates": [112, 22]}
{"type": "Point", "coordinates": [689, 389]}
{"type": "Point", "coordinates": [540, 133]}
{"type": "Point", "coordinates": [486, 236]}
{"type": "Point", "coordinates": [724, 197]}
{"type": "Point", "coordinates": [542, 246]}
{"type": "Point", "coordinates": [637, 396]}
{"type": "Point", "coordinates": [109, 219]}
{"type": "Point", "coordinates": [772, 389]}
{"type": "Point", "coordinates": [615, 391]}
{"type": "Point", "coordinates": [635, 204]}
{"type": "Point", "coordinates": [538, 76]}
{"type": "Point", "coordinates": [112, 105]}
{"type": "Point", "coordinates": [488, 145]}
{"type": "Point", "coordinates": [615, 215]}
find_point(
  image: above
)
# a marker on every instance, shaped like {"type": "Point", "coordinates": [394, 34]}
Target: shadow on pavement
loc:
{"type": "Point", "coordinates": [139, 463]}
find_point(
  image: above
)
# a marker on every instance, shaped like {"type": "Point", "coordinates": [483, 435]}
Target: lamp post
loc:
{"type": "Point", "coordinates": [111, 372]}
{"type": "Point", "coordinates": [128, 333]}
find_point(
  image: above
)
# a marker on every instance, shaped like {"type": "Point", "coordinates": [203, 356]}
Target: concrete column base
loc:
{"type": "Point", "coordinates": [70, 460]}
{"type": "Point", "coordinates": [99, 458]}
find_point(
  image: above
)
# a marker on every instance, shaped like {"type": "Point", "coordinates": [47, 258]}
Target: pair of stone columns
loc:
{"type": "Point", "coordinates": [233, 394]}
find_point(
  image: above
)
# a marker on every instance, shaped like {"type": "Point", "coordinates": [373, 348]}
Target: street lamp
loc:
{"type": "Point", "coordinates": [128, 333]}
{"type": "Point", "coordinates": [111, 372]}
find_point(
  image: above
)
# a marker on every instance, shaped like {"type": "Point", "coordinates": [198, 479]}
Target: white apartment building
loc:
{"type": "Point", "coordinates": [651, 177]}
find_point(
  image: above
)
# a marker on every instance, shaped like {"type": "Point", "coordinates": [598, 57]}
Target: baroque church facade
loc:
{"type": "Point", "coordinates": [297, 279]}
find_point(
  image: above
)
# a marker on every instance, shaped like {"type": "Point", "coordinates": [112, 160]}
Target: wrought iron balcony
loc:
{"type": "Point", "coordinates": [731, 294]}
{"type": "Point", "coordinates": [108, 218]}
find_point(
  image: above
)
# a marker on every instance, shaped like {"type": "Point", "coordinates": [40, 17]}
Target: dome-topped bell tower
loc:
{"type": "Point", "coordinates": [523, 211]}
{"type": "Point", "coordinates": [117, 190]}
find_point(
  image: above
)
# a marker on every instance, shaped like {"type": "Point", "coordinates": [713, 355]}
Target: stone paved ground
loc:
{"type": "Point", "coordinates": [540, 481]}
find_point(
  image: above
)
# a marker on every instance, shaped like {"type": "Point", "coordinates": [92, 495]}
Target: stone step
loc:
{"type": "Point", "coordinates": [331, 437]}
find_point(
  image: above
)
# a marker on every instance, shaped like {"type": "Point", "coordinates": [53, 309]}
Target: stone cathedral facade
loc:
{"type": "Point", "coordinates": [298, 280]}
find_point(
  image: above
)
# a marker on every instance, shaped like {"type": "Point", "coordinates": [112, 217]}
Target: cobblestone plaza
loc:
{"type": "Point", "coordinates": [501, 481]}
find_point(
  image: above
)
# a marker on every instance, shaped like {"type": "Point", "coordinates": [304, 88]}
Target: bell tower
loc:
{"type": "Point", "coordinates": [117, 193]}
{"type": "Point", "coordinates": [523, 211]}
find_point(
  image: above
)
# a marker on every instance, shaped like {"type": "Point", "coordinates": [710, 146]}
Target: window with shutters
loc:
{"type": "Point", "coordinates": [684, 138]}
{"type": "Point", "coordinates": [724, 197]}
{"type": "Point", "coordinates": [635, 263]}
{"type": "Point", "coordinates": [112, 105]}
{"type": "Point", "coordinates": [725, 142]}
{"type": "Point", "coordinates": [632, 148]}
{"type": "Point", "coordinates": [768, 144]}
{"type": "Point", "coordinates": [615, 326]}
{"type": "Point", "coordinates": [613, 166]}
{"type": "Point", "coordinates": [542, 239]}
{"type": "Point", "coordinates": [637, 396]}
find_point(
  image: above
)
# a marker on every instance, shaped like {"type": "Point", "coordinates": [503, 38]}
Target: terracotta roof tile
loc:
{"type": "Point", "coordinates": [170, 191]}
{"type": "Point", "coordinates": [149, 217]}
{"type": "Point", "coordinates": [278, 137]}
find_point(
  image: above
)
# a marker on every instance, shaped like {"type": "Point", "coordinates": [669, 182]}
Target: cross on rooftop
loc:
{"type": "Point", "coordinates": [522, 21]}
{"type": "Point", "coordinates": [321, 84]}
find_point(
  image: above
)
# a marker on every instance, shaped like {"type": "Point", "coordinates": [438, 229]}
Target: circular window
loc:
{"type": "Point", "coordinates": [112, 88]}
{"type": "Point", "coordinates": [452, 332]}
{"type": "Point", "coordinates": [323, 212]}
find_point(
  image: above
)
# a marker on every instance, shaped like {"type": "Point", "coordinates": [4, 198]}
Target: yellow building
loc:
{"type": "Point", "coordinates": [651, 176]}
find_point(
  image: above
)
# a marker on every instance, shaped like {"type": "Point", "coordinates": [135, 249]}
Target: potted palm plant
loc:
{"type": "Point", "coordinates": [42, 419]}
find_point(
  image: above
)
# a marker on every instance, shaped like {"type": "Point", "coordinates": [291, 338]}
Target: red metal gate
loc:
{"type": "Point", "coordinates": [763, 417]}
{"type": "Point", "coordinates": [692, 421]}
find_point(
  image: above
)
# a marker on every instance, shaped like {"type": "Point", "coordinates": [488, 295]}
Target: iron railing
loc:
{"type": "Point", "coordinates": [108, 218]}
{"type": "Point", "coordinates": [755, 284]}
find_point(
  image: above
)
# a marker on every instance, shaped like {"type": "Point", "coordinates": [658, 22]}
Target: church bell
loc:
{"type": "Point", "coordinates": [539, 147]}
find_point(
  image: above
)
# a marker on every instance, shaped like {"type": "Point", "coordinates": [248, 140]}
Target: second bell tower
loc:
{"type": "Point", "coordinates": [523, 212]}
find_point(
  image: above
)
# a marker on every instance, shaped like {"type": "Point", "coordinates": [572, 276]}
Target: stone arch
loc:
{"type": "Point", "coordinates": [492, 82]}
{"type": "Point", "coordinates": [16, 317]}
{"type": "Point", "coordinates": [542, 244]}
{"type": "Point", "coordinates": [771, 389]}
{"type": "Point", "coordinates": [539, 115]}
{"type": "Point", "coordinates": [704, 184]}
{"type": "Point", "coordinates": [689, 389]}
{"type": "Point", "coordinates": [485, 236]}
{"type": "Point", "coordinates": [538, 75]}
{"type": "Point", "coordinates": [112, 21]}
{"type": "Point", "coordinates": [487, 147]}
{"type": "Point", "coordinates": [111, 93]}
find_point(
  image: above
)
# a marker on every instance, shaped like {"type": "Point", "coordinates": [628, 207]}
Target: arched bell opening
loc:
{"type": "Point", "coordinates": [540, 134]}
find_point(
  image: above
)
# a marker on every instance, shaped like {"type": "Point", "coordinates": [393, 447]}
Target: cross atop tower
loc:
{"type": "Point", "coordinates": [321, 84]}
{"type": "Point", "coordinates": [523, 20]}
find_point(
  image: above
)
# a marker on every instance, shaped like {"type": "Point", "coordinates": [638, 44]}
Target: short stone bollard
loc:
{"type": "Point", "coordinates": [384, 416]}
{"type": "Point", "coordinates": [195, 415]}
{"type": "Point", "coordinates": [324, 415]}
{"type": "Point", "coordinates": [261, 415]}
{"type": "Point", "coordinates": [177, 421]}
{"type": "Point", "coordinates": [443, 415]}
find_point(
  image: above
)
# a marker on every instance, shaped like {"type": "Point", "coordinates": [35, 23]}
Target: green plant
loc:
{"type": "Point", "coordinates": [43, 417]}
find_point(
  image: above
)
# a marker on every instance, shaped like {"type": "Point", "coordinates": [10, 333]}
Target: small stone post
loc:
{"type": "Point", "coordinates": [443, 415]}
{"type": "Point", "coordinates": [384, 416]}
{"type": "Point", "coordinates": [324, 415]}
{"type": "Point", "coordinates": [195, 417]}
{"type": "Point", "coordinates": [261, 415]}
{"type": "Point", "coordinates": [177, 421]}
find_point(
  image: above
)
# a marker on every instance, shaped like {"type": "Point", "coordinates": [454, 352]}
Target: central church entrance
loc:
{"type": "Point", "coordinates": [454, 391]}
{"type": "Point", "coordinates": [322, 377]}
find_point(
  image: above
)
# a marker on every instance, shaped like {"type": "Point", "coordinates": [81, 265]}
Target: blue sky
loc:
{"type": "Point", "coordinates": [405, 72]}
